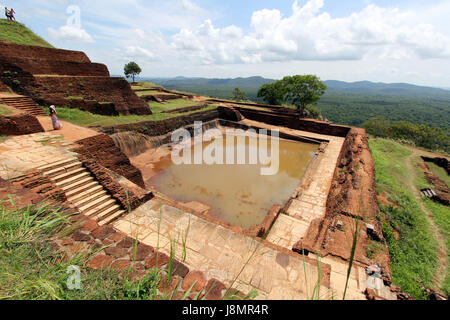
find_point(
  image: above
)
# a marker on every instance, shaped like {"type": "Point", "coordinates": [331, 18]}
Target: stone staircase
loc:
{"type": "Point", "coordinates": [83, 190]}
{"type": "Point", "coordinates": [24, 104]}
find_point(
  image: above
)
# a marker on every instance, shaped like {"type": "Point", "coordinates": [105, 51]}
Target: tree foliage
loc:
{"type": "Point", "coordinates": [238, 95]}
{"type": "Point", "coordinates": [299, 90]}
{"type": "Point", "coordinates": [272, 93]}
{"type": "Point", "coordinates": [132, 69]}
{"type": "Point", "coordinates": [303, 90]}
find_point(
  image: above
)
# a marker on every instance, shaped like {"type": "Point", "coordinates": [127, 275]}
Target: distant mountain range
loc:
{"type": "Point", "coordinates": [223, 87]}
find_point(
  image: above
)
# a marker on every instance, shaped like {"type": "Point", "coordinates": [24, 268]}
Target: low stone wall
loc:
{"type": "Point", "coordinates": [292, 121]}
{"type": "Point", "coordinates": [441, 162]}
{"type": "Point", "coordinates": [230, 114]}
{"type": "Point", "coordinates": [102, 150]}
{"type": "Point", "coordinates": [37, 183]}
{"type": "Point", "coordinates": [21, 124]}
{"type": "Point", "coordinates": [439, 186]}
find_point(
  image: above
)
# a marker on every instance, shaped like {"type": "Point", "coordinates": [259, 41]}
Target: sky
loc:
{"type": "Point", "coordinates": [348, 40]}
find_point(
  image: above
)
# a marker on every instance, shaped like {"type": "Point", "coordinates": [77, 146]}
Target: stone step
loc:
{"type": "Point", "coordinates": [105, 213]}
{"type": "Point", "coordinates": [73, 179]}
{"type": "Point", "coordinates": [22, 107]}
{"type": "Point", "coordinates": [63, 169]}
{"type": "Point", "coordinates": [69, 174]}
{"type": "Point", "coordinates": [84, 192]}
{"type": "Point", "coordinates": [112, 217]}
{"type": "Point", "coordinates": [91, 196]}
{"type": "Point", "coordinates": [74, 193]}
{"type": "Point", "coordinates": [77, 183]}
{"type": "Point", "coordinates": [101, 207]}
{"type": "Point", "coordinates": [94, 204]}
{"type": "Point", "coordinates": [28, 109]}
{"type": "Point", "coordinates": [16, 99]}
{"type": "Point", "coordinates": [57, 164]}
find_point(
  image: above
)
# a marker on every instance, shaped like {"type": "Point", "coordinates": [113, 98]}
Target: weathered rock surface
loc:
{"type": "Point", "coordinates": [101, 150]}
{"type": "Point", "coordinates": [351, 209]}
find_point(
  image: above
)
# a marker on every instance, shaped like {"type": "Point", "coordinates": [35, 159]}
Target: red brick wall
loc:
{"type": "Point", "coordinates": [99, 93]}
{"type": "Point", "coordinates": [18, 125]}
{"type": "Point", "coordinates": [57, 67]}
{"type": "Point", "coordinates": [23, 51]}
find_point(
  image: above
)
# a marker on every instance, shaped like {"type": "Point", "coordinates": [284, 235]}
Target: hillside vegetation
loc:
{"type": "Point", "coordinates": [15, 32]}
{"type": "Point", "coordinates": [412, 246]}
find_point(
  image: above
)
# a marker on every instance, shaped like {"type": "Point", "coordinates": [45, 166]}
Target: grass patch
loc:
{"type": "Point", "coordinates": [441, 217]}
{"type": "Point", "coordinates": [145, 85]}
{"type": "Point", "coordinates": [172, 104]}
{"type": "Point", "coordinates": [75, 98]}
{"type": "Point", "coordinates": [414, 254]}
{"type": "Point", "coordinates": [148, 92]}
{"type": "Point", "coordinates": [15, 32]}
{"type": "Point", "coordinates": [3, 138]}
{"type": "Point", "coordinates": [85, 118]}
{"type": "Point", "coordinates": [4, 111]}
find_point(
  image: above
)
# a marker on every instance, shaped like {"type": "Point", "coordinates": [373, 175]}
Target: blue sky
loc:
{"type": "Point", "coordinates": [351, 40]}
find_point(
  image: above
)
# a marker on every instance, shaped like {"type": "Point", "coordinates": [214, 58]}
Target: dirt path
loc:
{"type": "Point", "coordinates": [441, 269]}
{"type": "Point", "coordinates": [69, 131]}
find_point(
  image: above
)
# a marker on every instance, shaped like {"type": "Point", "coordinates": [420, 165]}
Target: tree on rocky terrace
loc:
{"type": "Point", "coordinates": [238, 95]}
{"type": "Point", "coordinates": [298, 90]}
{"type": "Point", "coordinates": [132, 69]}
{"type": "Point", "coordinates": [303, 90]}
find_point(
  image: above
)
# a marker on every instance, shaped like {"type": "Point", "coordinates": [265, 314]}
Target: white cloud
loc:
{"type": "Point", "coordinates": [310, 34]}
{"type": "Point", "coordinates": [70, 33]}
{"type": "Point", "coordinates": [136, 51]}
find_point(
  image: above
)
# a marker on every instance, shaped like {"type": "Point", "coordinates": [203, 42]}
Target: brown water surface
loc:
{"type": "Point", "coordinates": [237, 194]}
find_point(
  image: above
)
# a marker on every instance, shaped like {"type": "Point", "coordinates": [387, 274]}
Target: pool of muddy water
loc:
{"type": "Point", "coordinates": [236, 193]}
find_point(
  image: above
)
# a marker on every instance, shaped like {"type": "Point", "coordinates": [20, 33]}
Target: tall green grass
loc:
{"type": "Point", "coordinates": [414, 254]}
{"type": "Point", "coordinates": [31, 268]}
{"type": "Point", "coordinates": [15, 32]}
{"type": "Point", "coordinates": [157, 107]}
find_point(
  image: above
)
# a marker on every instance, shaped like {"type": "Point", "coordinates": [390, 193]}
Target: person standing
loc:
{"type": "Point", "coordinates": [11, 14]}
{"type": "Point", "coordinates": [55, 122]}
{"type": "Point", "coordinates": [8, 17]}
